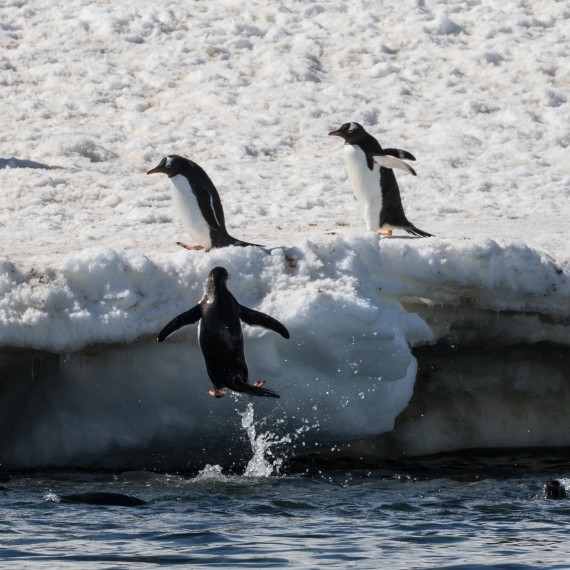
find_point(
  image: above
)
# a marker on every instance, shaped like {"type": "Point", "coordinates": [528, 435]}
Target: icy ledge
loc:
{"type": "Point", "coordinates": [103, 393]}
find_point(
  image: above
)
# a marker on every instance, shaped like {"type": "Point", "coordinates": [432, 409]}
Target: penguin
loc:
{"type": "Point", "coordinates": [103, 498]}
{"type": "Point", "coordinates": [370, 169]}
{"type": "Point", "coordinates": [221, 338]}
{"type": "Point", "coordinates": [198, 204]}
{"type": "Point", "coordinates": [554, 490]}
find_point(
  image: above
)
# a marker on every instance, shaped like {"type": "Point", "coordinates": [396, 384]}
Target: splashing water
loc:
{"type": "Point", "coordinates": [259, 465]}
{"type": "Point", "coordinates": [210, 473]}
{"type": "Point", "coordinates": [264, 462]}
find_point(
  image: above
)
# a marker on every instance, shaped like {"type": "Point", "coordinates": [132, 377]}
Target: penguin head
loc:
{"type": "Point", "coordinates": [218, 276]}
{"type": "Point", "coordinates": [170, 165]}
{"type": "Point", "coordinates": [350, 132]}
{"type": "Point", "coordinates": [554, 490]}
{"type": "Point", "coordinates": [216, 284]}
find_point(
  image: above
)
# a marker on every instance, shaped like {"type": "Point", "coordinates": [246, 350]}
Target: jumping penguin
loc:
{"type": "Point", "coordinates": [221, 338]}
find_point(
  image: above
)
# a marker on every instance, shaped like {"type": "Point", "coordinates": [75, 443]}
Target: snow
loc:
{"type": "Point", "coordinates": [96, 93]}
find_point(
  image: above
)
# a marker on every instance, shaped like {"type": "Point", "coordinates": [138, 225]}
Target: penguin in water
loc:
{"type": "Point", "coordinates": [554, 490]}
{"type": "Point", "coordinates": [103, 498]}
{"type": "Point", "coordinates": [221, 338]}
{"type": "Point", "coordinates": [198, 204]}
{"type": "Point", "coordinates": [370, 169]}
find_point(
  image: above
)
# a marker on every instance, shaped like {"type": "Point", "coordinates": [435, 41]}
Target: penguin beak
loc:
{"type": "Point", "coordinates": [335, 134]}
{"type": "Point", "coordinates": [155, 170]}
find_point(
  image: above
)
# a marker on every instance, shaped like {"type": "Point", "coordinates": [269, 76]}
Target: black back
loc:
{"type": "Point", "coordinates": [103, 498]}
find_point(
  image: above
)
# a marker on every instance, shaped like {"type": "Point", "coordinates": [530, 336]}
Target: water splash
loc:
{"type": "Point", "coordinates": [210, 473]}
{"type": "Point", "coordinates": [265, 462]}
{"type": "Point", "coordinates": [51, 497]}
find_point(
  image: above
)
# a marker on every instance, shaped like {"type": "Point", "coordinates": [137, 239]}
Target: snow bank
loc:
{"type": "Point", "coordinates": [346, 372]}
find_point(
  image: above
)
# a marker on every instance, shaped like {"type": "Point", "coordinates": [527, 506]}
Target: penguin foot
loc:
{"type": "Point", "coordinates": [190, 247]}
{"type": "Point", "coordinates": [385, 233]}
{"type": "Point", "coordinates": [218, 393]}
{"type": "Point", "coordinates": [259, 384]}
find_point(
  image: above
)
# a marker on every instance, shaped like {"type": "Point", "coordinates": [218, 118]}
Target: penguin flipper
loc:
{"type": "Point", "coordinates": [392, 162]}
{"type": "Point", "coordinates": [257, 318]}
{"type": "Point", "coordinates": [399, 153]}
{"type": "Point", "coordinates": [188, 318]}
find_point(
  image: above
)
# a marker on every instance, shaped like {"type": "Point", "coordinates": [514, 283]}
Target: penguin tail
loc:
{"type": "Point", "coordinates": [240, 243]}
{"type": "Point", "coordinates": [256, 390]}
{"type": "Point", "coordinates": [411, 229]}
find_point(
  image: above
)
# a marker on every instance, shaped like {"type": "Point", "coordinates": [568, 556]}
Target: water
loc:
{"type": "Point", "coordinates": [460, 511]}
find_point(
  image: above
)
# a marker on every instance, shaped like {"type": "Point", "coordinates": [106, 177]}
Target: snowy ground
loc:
{"type": "Point", "coordinates": [96, 93]}
{"type": "Point", "coordinates": [99, 92]}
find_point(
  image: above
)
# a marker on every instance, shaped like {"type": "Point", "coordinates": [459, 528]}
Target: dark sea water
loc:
{"type": "Point", "coordinates": [454, 511]}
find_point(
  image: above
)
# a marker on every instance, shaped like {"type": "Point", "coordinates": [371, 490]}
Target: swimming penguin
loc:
{"type": "Point", "coordinates": [221, 338]}
{"type": "Point", "coordinates": [370, 169]}
{"type": "Point", "coordinates": [554, 490]}
{"type": "Point", "coordinates": [103, 498]}
{"type": "Point", "coordinates": [198, 204]}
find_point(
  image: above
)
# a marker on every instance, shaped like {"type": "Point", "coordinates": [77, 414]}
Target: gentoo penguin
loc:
{"type": "Point", "coordinates": [220, 335]}
{"type": "Point", "coordinates": [198, 203]}
{"type": "Point", "coordinates": [103, 498]}
{"type": "Point", "coordinates": [554, 490]}
{"type": "Point", "coordinates": [370, 169]}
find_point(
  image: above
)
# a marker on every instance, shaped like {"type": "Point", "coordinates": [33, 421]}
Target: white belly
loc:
{"type": "Point", "coordinates": [366, 184]}
{"type": "Point", "coordinates": [187, 207]}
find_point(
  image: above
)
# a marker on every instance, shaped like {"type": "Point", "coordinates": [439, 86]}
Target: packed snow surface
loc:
{"type": "Point", "coordinates": [96, 93]}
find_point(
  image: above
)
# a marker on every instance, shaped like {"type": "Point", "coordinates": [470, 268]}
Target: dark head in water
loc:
{"type": "Point", "coordinates": [554, 490]}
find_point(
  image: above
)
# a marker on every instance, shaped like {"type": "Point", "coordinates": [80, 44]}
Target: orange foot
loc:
{"type": "Point", "coordinates": [190, 247]}
{"type": "Point", "coordinates": [218, 393]}
{"type": "Point", "coordinates": [259, 384]}
{"type": "Point", "coordinates": [385, 233]}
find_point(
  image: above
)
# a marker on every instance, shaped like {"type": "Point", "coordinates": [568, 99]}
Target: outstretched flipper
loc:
{"type": "Point", "coordinates": [388, 161]}
{"type": "Point", "coordinates": [188, 318]}
{"type": "Point", "coordinates": [399, 153]}
{"type": "Point", "coordinates": [257, 318]}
